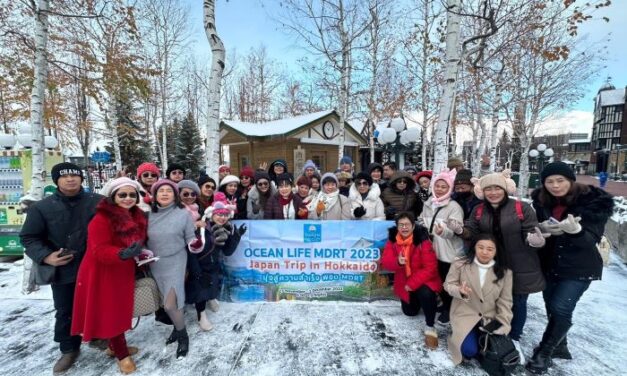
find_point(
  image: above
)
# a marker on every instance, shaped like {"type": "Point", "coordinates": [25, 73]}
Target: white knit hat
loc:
{"type": "Point", "coordinates": [113, 185]}
{"type": "Point", "coordinates": [229, 179]}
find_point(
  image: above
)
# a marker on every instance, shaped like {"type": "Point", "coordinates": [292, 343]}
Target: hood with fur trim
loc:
{"type": "Point", "coordinates": [411, 183]}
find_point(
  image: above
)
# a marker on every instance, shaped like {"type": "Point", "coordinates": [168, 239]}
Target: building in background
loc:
{"type": "Point", "coordinates": [609, 131]}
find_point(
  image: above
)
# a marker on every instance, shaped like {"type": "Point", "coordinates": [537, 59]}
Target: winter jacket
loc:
{"type": "Point", "coordinates": [372, 203]}
{"type": "Point", "coordinates": [395, 201]}
{"type": "Point", "coordinates": [493, 301]}
{"type": "Point", "coordinates": [240, 198]}
{"type": "Point", "coordinates": [511, 233]}
{"type": "Point", "coordinates": [576, 256]}
{"type": "Point", "coordinates": [274, 210]}
{"type": "Point", "coordinates": [447, 246]}
{"type": "Point", "coordinates": [466, 204]}
{"type": "Point", "coordinates": [254, 199]}
{"type": "Point", "coordinates": [59, 221]}
{"type": "Point", "coordinates": [423, 262]}
{"type": "Point", "coordinates": [105, 285]}
{"type": "Point", "coordinates": [204, 281]}
{"type": "Point", "coordinates": [341, 210]}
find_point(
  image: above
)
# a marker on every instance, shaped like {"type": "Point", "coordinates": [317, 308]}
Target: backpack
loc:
{"type": "Point", "coordinates": [517, 204]}
{"type": "Point", "coordinates": [498, 355]}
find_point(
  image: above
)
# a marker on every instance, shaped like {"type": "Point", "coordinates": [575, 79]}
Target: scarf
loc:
{"type": "Point", "coordinates": [193, 210]}
{"type": "Point", "coordinates": [483, 270]}
{"type": "Point", "coordinates": [407, 247]}
{"type": "Point", "coordinates": [285, 201]}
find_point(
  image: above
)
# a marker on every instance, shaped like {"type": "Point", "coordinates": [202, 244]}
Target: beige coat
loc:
{"type": "Point", "coordinates": [492, 301]}
{"type": "Point", "coordinates": [447, 246]}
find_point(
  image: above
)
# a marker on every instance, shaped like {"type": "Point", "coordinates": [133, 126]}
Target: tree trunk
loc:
{"type": "Point", "coordinates": [112, 118]}
{"type": "Point", "coordinates": [218, 55]}
{"type": "Point", "coordinates": [450, 85]}
{"type": "Point", "coordinates": [343, 108]}
{"type": "Point", "coordinates": [476, 165]}
{"type": "Point", "coordinates": [496, 106]}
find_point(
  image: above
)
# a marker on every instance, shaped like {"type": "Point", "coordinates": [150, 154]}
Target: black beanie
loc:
{"type": "Point", "coordinates": [364, 176]}
{"type": "Point", "coordinates": [172, 167]}
{"type": "Point", "coordinates": [205, 179]}
{"type": "Point", "coordinates": [557, 168]}
{"type": "Point", "coordinates": [284, 177]}
{"type": "Point", "coordinates": [463, 177]}
{"type": "Point", "coordinates": [65, 168]}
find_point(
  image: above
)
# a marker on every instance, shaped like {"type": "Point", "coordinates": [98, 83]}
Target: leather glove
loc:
{"type": "Point", "coordinates": [240, 231]}
{"type": "Point", "coordinates": [551, 228]}
{"type": "Point", "coordinates": [359, 212]}
{"type": "Point", "coordinates": [537, 239]}
{"type": "Point", "coordinates": [131, 251]}
{"type": "Point", "coordinates": [455, 226]}
{"type": "Point", "coordinates": [571, 224]}
{"type": "Point", "coordinates": [320, 207]}
{"type": "Point", "coordinates": [491, 326]}
{"type": "Point", "coordinates": [220, 234]}
{"type": "Point", "coordinates": [389, 212]}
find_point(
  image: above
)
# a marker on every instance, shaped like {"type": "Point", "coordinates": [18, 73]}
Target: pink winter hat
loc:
{"type": "Point", "coordinates": [220, 205]}
{"type": "Point", "coordinates": [160, 183]}
{"type": "Point", "coordinates": [447, 175]}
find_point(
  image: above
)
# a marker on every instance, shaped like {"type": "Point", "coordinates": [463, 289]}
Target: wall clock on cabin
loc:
{"type": "Point", "coordinates": [328, 129]}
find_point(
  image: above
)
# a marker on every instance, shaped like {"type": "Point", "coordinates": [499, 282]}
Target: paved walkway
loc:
{"type": "Point", "coordinates": [617, 188]}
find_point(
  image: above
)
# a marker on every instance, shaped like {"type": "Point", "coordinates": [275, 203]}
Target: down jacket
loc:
{"type": "Point", "coordinates": [396, 201]}
{"type": "Point", "coordinates": [576, 256]}
{"type": "Point", "coordinates": [372, 203]}
{"type": "Point", "coordinates": [424, 264]}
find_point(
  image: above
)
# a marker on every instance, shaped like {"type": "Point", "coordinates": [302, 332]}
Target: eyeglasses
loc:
{"type": "Point", "coordinates": [124, 195]}
{"type": "Point", "coordinates": [149, 175]}
{"type": "Point", "coordinates": [404, 225]}
{"type": "Point", "coordinates": [209, 186]}
{"type": "Point", "coordinates": [363, 182]}
{"type": "Point", "coordinates": [262, 184]}
{"type": "Point", "coordinates": [177, 172]}
{"type": "Point", "coordinates": [224, 215]}
{"type": "Point", "coordinates": [188, 194]}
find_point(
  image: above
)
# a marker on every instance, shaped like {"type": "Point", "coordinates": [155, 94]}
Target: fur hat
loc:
{"type": "Point", "coordinates": [247, 171]}
{"type": "Point", "coordinates": [65, 168]}
{"type": "Point", "coordinates": [364, 176]}
{"type": "Point", "coordinates": [113, 185]}
{"type": "Point", "coordinates": [190, 185]}
{"type": "Point", "coordinates": [499, 179]}
{"type": "Point", "coordinates": [161, 182]}
{"type": "Point", "coordinates": [229, 179]}
{"type": "Point", "coordinates": [172, 167]}
{"type": "Point", "coordinates": [346, 160]}
{"type": "Point", "coordinates": [329, 176]}
{"type": "Point", "coordinates": [557, 168]}
{"type": "Point", "coordinates": [220, 205]}
{"type": "Point", "coordinates": [303, 180]}
{"type": "Point", "coordinates": [148, 166]}
{"type": "Point", "coordinates": [343, 175]}
{"type": "Point", "coordinates": [464, 176]}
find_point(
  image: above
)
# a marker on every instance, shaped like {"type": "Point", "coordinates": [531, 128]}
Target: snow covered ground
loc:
{"type": "Point", "coordinates": [307, 338]}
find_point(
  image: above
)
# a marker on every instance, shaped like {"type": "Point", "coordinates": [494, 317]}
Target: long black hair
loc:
{"type": "Point", "coordinates": [499, 268]}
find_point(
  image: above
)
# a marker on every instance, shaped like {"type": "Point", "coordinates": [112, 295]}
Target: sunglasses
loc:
{"type": "Point", "coordinates": [262, 184]}
{"type": "Point", "coordinates": [124, 195]}
{"type": "Point", "coordinates": [149, 175]}
{"type": "Point", "coordinates": [244, 177]}
{"type": "Point", "coordinates": [177, 172]}
{"type": "Point", "coordinates": [188, 194]}
{"type": "Point", "coordinates": [363, 182]}
{"type": "Point", "coordinates": [212, 187]}
{"type": "Point", "coordinates": [402, 181]}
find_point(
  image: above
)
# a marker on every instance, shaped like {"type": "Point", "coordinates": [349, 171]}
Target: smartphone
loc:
{"type": "Point", "coordinates": [67, 252]}
{"type": "Point", "coordinates": [553, 221]}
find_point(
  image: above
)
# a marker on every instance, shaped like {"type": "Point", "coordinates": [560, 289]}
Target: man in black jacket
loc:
{"type": "Point", "coordinates": [55, 233]}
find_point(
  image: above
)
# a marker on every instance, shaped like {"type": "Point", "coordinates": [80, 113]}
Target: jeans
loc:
{"type": "Point", "coordinates": [63, 297]}
{"type": "Point", "coordinates": [519, 311]}
{"type": "Point", "coordinates": [470, 346]}
{"type": "Point", "coordinates": [561, 297]}
{"type": "Point", "coordinates": [423, 298]}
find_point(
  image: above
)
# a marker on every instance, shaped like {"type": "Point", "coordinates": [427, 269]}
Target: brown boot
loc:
{"type": "Point", "coordinates": [127, 365]}
{"type": "Point", "coordinates": [431, 338]}
{"type": "Point", "coordinates": [132, 350]}
{"type": "Point", "coordinates": [65, 362]}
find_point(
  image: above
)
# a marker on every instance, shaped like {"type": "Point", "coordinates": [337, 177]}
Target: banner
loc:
{"type": "Point", "coordinates": [304, 260]}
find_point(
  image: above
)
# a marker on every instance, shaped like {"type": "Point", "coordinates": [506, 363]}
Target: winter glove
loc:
{"type": "Point", "coordinates": [491, 327]}
{"type": "Point", "coordinates": [220, 234]}
{"type": "Point", "coordinates": [131, 251]}
{"type": "Point", "coordinates": [390, 212]}
{"type": "Point", "coordinates": [196, 243]}
{"type": "Point", "coordinates": [551, 228]}
{"type": "Point", "coordinates": [256, 208]}
{"type": "Point", "coordinates": [240, 231]}
{"type": "Point", "coordinates": [359, 212]}
{"type": "Point", "coordinates": [455, 226]}
{"type": "Point", "coordinates": [145, 254]}
{"type": "Point", "coordinates": [570, 225]}
{"type": "Point", "coordinates": [537, 239]}
{"type": "Point", "coordinates": [320, 207]}
{"type": "Point", "coordinates": [228, 227]}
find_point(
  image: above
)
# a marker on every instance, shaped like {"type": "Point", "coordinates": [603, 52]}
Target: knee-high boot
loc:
{"type": "Point", "coordinates": [555, 333]}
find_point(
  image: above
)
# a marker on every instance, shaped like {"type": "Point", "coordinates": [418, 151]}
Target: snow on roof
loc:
{"type": "Point", "coordinates": [612, 97]}
{"type": "Point", "coordinates": [357, 124]}
{"type": "Point", "coordinates": [276, 127]}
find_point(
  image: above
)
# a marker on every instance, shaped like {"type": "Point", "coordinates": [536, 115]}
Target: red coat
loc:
{"type": "Point", "coordinates": [424, 264]}
{"type": "Point", "coordinates": [105, 285]}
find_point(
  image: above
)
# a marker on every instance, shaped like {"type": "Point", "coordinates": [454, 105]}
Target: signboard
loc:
{"type": "Point", "coordinates": [100, 156]}
{"type": "Point", "coordinates": [304, 260]}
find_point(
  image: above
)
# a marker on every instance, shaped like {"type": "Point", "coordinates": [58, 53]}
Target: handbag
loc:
{"type": "Point", "coordinates": [146, 296]}
{"type": "Point", "coordinates": [498, 355]}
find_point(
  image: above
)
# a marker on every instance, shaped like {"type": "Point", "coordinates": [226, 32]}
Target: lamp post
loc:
{"type": "Point", "coordinates": [396, 138]}
{"type": "Point", "coordinates": [541, 153]}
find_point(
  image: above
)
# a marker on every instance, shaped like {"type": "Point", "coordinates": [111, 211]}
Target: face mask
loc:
{"type": "Point", "coordinates": [463, 194]}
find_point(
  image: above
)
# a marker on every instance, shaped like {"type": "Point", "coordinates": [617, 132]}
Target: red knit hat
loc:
{"type": "Point", "coordinates": [224, 168]}
{"type": "Point", "coordinates": [426, 173]}
{"type": "Point", "coordinates": [247, 171]}
{"type": "Point", "coordinates": [147, 166]}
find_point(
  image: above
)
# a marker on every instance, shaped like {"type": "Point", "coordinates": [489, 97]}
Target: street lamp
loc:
{"type": "Point", "coordinates": [397, 138]}
{"type": "Point", "coordinates": [541, 153]}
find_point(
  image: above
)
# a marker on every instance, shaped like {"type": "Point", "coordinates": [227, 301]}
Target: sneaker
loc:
{"type": "Point", "coordinates": [431, 338]}
{"type": "Point", "coordinates": [65, 362]}
{"type": "Point", "coordinates": [520, 352]}
{"type": "Point", "coordinates": [213, 304]}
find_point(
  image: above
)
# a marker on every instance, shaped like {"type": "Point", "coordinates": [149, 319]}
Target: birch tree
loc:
{"type": "Point", "coordinates": [218, 54]}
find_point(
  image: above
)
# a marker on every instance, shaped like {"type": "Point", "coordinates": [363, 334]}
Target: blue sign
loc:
{"type": "Point", "coordinates": [101, 156]}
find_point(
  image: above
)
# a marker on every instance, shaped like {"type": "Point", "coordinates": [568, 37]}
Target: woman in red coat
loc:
{"type": "Point", "coordinates": [105, 285]}
{"type": "Point", "coordinates": [408, 253]}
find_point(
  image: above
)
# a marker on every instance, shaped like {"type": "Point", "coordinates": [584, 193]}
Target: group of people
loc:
{"type": "Point", "coordinates": [460, 246]}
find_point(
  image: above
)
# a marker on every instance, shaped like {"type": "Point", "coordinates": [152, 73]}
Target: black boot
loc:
{"type": "Point", "coordinates": [561, 351]}
{"type": "Point", "coordinates": [541, 360]}
{"type": "Point", "coordinates": [183, 347]}
{"type": "Point", "coordinates": [172, 338]}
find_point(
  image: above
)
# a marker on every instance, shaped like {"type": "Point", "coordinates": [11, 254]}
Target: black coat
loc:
{"type": "Point", "coordinates": [576, 256]}
{"type": "Point", "coordinates": [204, 280]}
{"type": "Point", "coordinates": [59, 221]}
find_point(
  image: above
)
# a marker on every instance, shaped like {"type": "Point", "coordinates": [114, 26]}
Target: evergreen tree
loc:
{"type": "Point", "coordinates": [188, 146]}
{"type": "Point", "coordinates": [172, 134]}
{"type": "Point", "coordinates": [134, 146]}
